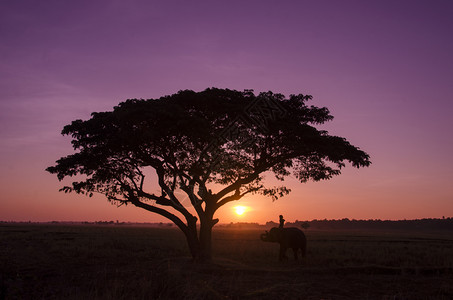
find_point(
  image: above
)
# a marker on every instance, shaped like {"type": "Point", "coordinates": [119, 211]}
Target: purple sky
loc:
{"type": "Point", "coordinates": [383, 68]}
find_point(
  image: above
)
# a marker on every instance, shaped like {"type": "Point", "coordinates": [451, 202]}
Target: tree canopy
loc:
{"type": "Point", "coordinates": [214, 146]}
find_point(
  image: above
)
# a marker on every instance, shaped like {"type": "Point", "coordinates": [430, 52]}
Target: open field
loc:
{"type": "Point", "coordinates": [123, 262]}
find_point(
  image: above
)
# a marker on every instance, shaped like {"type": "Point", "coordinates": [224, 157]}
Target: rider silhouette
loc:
{"type": "Point", "coordinates": [282, 221]}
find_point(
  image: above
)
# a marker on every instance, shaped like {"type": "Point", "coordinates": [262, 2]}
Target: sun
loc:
{"type": "Point", "coordinates": [240, 210]}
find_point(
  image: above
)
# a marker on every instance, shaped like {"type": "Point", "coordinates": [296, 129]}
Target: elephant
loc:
{"type": "Point", "coordinates": [289, 237]}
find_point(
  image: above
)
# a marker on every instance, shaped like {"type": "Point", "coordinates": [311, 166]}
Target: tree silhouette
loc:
{"type": "Point", "coordinates": [213, 147]}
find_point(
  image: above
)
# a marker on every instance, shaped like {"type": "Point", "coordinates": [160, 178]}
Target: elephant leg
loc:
{"type": "Point", "coordinates": [282, 254]}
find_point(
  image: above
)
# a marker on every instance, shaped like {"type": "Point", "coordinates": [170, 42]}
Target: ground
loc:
{"type": "Point", "coordinates": [130, 262]}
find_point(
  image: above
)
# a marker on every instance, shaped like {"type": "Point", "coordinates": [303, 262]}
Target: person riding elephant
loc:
{"type": "Point", "coordinates": [282, 222]}
{"type": "Point", "coordinates": [289, 237]}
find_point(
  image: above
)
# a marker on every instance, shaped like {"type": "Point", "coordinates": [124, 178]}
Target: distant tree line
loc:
{"type": "Point", "coordinates": [372, 224]}
{"type": "Point", "coordinates": [427, 224]}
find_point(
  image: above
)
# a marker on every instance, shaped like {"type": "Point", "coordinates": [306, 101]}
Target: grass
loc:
{"type": "Point", "coordinates": [121, 262]}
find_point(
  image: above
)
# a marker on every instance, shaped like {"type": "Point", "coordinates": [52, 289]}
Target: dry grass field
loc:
{"type": "Point", "coordinates": [126, 262]}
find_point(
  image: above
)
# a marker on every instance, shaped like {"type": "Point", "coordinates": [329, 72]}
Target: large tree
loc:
{"type": "Point", "coordinates": [212, 147]}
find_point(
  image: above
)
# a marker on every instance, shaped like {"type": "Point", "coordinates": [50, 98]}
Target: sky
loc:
{"type": "Point", "coordinates": [383, 68]}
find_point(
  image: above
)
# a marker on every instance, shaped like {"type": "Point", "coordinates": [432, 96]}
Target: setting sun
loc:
{"type": "Point", "coordinates": [240, 209]}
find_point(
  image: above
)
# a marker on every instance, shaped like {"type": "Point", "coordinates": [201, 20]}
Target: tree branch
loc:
{"type": "Point", "coordinates": [174, 202]}
{"type": "Point", "coordinates": [194, 200]}
{"type": "Point", "coordinates": [236, 185]}
{"type": "Point", "coordinates": [236, 196]}
{"type": "Point", "coordinates": [160, 200]}
{"type": "Point", "coordinates": [135, 201]}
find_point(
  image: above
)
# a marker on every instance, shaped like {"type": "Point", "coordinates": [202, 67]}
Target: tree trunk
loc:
{"type": "Point", "coordinates": [192, 237]}
{"type": "Point", "coordinates": [193, 243]}
{"type": "Point", "coordinates": [200, 248]}
{"type": "Point", "coordinates": [201, 245]}
{"type": "Point", "coordinates": [205, 241]}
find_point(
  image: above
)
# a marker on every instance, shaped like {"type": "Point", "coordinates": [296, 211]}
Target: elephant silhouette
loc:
{"type": "Point", "coordinates": [289, 237]}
